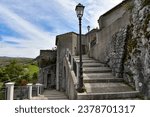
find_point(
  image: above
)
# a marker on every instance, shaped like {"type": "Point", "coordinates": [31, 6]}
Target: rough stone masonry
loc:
{"type": "Point", "coordinates": [129, 55]}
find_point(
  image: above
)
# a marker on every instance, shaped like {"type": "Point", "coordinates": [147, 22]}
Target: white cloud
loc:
{"type": "Point", "coordinates": [35, 37]}
{"type": "Point", "coordinates": [95, 8]}
{"type": "Point", "coordinates": [18, 52]}
{"type": "Point", "coordinates": [22, 26]}
{"type": "Point", "coordinates": [58, 15]}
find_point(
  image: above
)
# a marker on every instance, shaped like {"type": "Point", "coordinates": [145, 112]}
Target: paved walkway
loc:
{"type": "Point", "coordinates": [51, 95]}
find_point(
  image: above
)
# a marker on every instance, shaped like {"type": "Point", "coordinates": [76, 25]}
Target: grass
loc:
{"type": "Point", "coordinates": [33, 69]}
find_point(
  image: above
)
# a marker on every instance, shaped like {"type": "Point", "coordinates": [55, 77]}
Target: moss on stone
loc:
{"type": "Point", "coordinates": [130, 74]}
{"type": "Point", "coordinates": [145, 2]}
{"type": "Point", "coordinates": [131, 44]}
{"type": "Point", "coordinates": [146, 22]}
{"type": "Point", "coordinates": [128, 6]}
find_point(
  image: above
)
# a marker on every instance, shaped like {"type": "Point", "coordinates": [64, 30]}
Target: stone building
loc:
{"type": "Point", "coordinates": [91, 38]}
{"type": "Point", "coordinates": [122, 41]}
{"type": "Point", "coordinates": [47, 64]}
{"type": "Point", "coordinates": [70, 41]}
{"type": "Point", "coordinates": [64, 41]}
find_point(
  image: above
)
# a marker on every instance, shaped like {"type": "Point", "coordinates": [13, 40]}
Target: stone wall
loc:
{"type": "Point", "coordinates": [91, 36]}
{"type": "Point", "coordinates": [116, 52]}
{"type": "Point", "coordinates": [64, 42]}
{"type": "Point", "coordinates": [46, 58]}
{"type": "Point", "coordinates": [112, 15]}
{"type": "Point", "coordinates": [124, 43]}
{"type": "Point", "coordinates": [47, 68]}
{"type": "Point", "coordinates": [137, 61]}
{"type": "Point", "coordinates": [67, 41]}
{"type": "Point", "coordinates": [120, 17]}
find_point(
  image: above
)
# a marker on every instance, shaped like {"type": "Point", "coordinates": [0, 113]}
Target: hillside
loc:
{"type": "Point", "coordinates": [25, 67]}
{"type": "Point", "coordinates": [6, 60]}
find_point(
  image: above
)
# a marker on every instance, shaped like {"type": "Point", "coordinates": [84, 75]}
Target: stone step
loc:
{"type": "Point", "coordinates": [96, 70]}
{"type": "Point", "coordinates": [93, 65]}
{"type": "Point", "coordinates": [106, 96]}
{"type": "Point", "coordinates": [40, 97]}
{"type": "Point", "coordinates": [107, 87]}
{"type": "Point", "coordinates": [103, 80]}
{"type": "Point", "coordinates": [87, 61]}
{"type": "Point", "coordinates": [54, 95]}
{"type": "Point", "coordinates": [83, 59]}
{"type": "Point", "coordinates": [100, 83]}
{"type": "Point", "coordinates": [83, 56]}
{"type": "Point", "coordinates": [49, 98]}
{"type": "Point", "coordinates": [98, 75]}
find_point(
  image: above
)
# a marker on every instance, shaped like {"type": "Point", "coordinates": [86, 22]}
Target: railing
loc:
{"type": "Point", "coordinates": [12, 92]}
{"type": "Point", "coordinates": [93, 42]}
{"type": "Point", "coordinates": [20, 92]}
{"type": "Point", "coordinates": [73, 62]}
{"type": "Point", "coordinates": [34, 90]}
{"type": "Point", "coordinates": [3, 93]}
{"type": "Point", "coordinates": [41, 89]}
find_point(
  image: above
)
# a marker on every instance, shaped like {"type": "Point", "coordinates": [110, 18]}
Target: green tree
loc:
{"type": "Point", "coordinates": [3, 75]}
{"type": "Point", "coordinates": [35, 77]}
{"type": "Point", "coordinates": [14, 70]}
{"type": "Point", "coordinates": [19, 73]}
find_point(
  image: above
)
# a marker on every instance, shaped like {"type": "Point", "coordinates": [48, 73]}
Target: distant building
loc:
{"type": "Point", "coordinates": [47, 64]}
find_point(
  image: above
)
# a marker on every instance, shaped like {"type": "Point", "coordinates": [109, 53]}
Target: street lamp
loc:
{"type": "Point", "coordinates": [79, 10]}
{"type": "Point", "coordinates": [88, 27]}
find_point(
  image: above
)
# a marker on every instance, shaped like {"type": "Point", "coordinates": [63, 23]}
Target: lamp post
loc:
{"type": "Point", "coordinates": [79, 10]}
{"type": "Point", "coordinates": [88, 27]}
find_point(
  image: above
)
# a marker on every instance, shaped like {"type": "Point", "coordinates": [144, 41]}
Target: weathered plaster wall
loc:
{"type": "Point", "coordinates": [90, 37]}
{"type": "Point", "coordinates": [112, 15]}
{"type": "Point", "coordinates": [64, 41]}
{"type": "Point", "coordinates": [105, 34]}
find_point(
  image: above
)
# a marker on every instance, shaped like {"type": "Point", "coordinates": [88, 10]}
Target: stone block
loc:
{"type": "Point", "coordinates": [118, 70]}
{"type": "Point", "coordinates": [118, 75]}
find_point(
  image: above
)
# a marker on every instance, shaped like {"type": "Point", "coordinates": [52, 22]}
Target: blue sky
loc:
{"type": "Point", "coordinates": [26, 26]}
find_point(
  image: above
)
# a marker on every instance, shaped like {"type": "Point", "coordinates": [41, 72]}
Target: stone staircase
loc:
{"type": "Point", "coordinates": [101, 84]}
{"type": "Point", "coordinates": [51, 95]}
